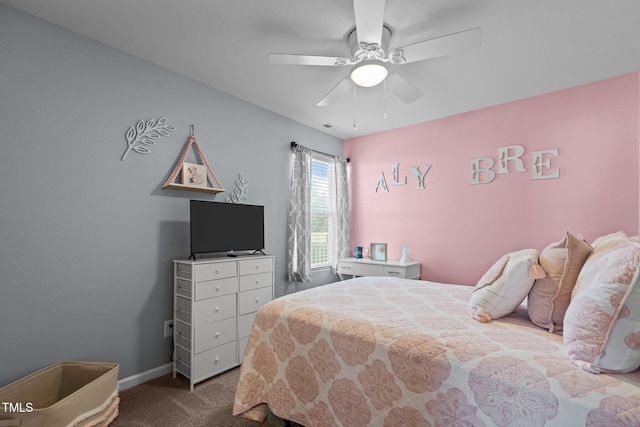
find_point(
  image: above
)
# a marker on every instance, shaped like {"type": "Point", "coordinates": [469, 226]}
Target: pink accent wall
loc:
{"type": "Point", "coordinates": [458, 230]}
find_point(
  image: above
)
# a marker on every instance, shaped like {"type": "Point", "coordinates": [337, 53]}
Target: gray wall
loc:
{"type": "Point", "coordinates": [86, 240]}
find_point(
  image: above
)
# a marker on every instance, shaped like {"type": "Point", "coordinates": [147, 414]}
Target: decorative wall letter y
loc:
{"type": "Point", "coordinates": [145, 133]}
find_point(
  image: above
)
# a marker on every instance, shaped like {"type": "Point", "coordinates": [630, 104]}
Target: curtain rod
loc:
{"type": "Point", "coordinates": [295, 144]}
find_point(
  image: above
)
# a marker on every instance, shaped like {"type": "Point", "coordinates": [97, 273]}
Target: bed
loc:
{"type": "Point", "coordinates": [381, 351]}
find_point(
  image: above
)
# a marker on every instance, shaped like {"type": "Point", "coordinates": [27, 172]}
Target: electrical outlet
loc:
{"type": "Point", "coordinates": [168, 328]}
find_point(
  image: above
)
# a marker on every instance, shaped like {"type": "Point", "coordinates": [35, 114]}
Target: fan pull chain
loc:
{"type": "Point", "coordinates": [384, 101]}
{"type": "Point", "coordinates": [355, 126]}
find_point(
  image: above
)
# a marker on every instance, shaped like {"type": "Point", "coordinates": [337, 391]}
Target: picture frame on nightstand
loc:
{"type": "Point", "coordinates": [378, 252]}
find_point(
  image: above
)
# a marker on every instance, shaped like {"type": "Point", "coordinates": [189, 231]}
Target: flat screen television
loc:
{"type": "Point", "coordinates": [225, 227]}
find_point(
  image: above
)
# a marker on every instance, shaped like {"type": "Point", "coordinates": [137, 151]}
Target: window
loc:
{"type": "Point", "coordinates": [322, 210]}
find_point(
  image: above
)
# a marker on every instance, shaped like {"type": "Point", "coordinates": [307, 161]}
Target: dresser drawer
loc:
{"type": "Point", "coordinates": [346, 268]}
{"type": "Point", "coordinates": [245, 322]}
{"type": "Point", "coordinates": [251, 301]}
{"type": "Point", "coordinates": [214, 361]}
{"type": "Point", "coordinates": [215, 270]}
{"type": "Point", "coordinates": [255, 281]}
{"type": "Point", "coordinates": [215, 334]}
{"type": "Point", "coordinates": [183, 356]}
{"type": "Point", "coordinates": [183, 334]}
{"type": "Point", "coordinates": [253, 266]}
{"type": "Point", "coordinates": [368, 269]}
{"type": "Point", "coordinates": [394, 271]}
{"type": "Point", "coordinates": [214, 309]}
{"type": "Point", "coordinates": [183, 309]}
{"type": "Point", "coordinates": [183, 270]}
{"type": "Point", "coordinates": [216, 288]}
{"type": "Point", "coordinates": [183, 288]}
{"type": "Point", "coordinates": [183, 368]}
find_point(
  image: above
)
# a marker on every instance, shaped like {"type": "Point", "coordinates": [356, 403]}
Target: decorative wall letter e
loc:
{"type": "Point", "coordinates": [145, 133]}
{"type": "Point", "coordinates": [538, 164]}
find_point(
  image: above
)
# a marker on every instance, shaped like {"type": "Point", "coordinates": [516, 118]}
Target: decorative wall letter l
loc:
{"type": "Point", "coordinates": [394, 174]}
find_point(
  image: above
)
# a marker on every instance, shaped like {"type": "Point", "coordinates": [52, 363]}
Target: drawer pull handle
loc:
{"type": "Point", "coordinates": [217, 309]}
{"type": "Point", "coordinates": [218, 288]}
{"type": "Point", "coordinates": [217, 359]}
{"type": "Point", "coordinates": [217, 334]}
{"type": "Point", "coordinates": [257, 300]}
{"type": "Point", "coordinates": [257, 266]}
{"type": "Point", "coordinates": [257, 281]}
{"type": "Point", "coordinates": [217, 270]}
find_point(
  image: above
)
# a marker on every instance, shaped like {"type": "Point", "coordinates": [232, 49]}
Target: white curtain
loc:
{"type": "Point", "coordinates": [299, 221]}
{"type": "Point", "coordinates": [342, 218]}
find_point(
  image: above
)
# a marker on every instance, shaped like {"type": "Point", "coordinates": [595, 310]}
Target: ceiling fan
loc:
{"type": "Point", "coordinates": [369, 43]}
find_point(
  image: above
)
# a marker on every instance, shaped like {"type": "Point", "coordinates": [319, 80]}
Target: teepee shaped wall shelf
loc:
{"type": "Point", "coordinates": [212, 183]}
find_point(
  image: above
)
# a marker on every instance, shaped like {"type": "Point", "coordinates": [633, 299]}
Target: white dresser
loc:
{"type": "Point", "coordinates": [366, 267]}
{"type": "Point", "coordinates": [215, 301]}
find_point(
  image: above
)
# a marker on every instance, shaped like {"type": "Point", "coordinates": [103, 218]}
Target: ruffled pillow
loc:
{"type": "Point", "coordinates": [602, 323]}
{"type": "Point", "coordinates": [505, 285]}
{"type": "Point", "coordinates": [551, 295]}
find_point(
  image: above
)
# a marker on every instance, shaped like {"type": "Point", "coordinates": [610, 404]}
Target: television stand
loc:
{"type": "Point", "coordinates": [216, 301]}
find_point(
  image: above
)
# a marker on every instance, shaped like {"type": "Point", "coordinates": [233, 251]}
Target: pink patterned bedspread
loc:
{"type": "Point", "coordinates": [377, 351]}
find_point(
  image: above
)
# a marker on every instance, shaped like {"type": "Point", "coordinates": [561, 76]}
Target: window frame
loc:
{"type": "Point", "coordinates": [329, 213]}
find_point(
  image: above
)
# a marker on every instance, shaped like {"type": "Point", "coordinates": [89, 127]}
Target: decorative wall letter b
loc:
{"type": "Point", "coordinates": [477, 169]}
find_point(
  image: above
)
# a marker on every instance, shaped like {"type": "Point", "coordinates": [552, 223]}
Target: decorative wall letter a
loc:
{"type": "Point", "coordinates": [382, 183]}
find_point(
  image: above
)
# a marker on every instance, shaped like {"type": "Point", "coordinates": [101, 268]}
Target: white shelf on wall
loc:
{"type": "Point", "coordinates": [176, 186]}
{"type": "Point", "coordinates": [213, 184]}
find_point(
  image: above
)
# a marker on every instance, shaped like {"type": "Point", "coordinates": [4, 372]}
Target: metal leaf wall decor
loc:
{"type": "Point", "coordinates": [144, 134]}
{"type": "Point", "coordinates": [241, 192]}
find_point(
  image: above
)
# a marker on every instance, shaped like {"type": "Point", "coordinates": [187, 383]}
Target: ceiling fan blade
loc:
{"type": "Point", "coordinates": [440, 46]}
{"type": "Point", "coordinates": [369, 20]}
{"type": "Point", "coordinates": [328, 61]}
{"type": "Point", "coordinates": [336, 93]}
{"type": "Point", "coordinates": [402, 88]}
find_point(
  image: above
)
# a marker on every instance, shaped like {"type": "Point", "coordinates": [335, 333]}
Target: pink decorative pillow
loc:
{"type": "Point", "coordinates": [504, 286]}
{"type": "Point", "coordinates": [551, 295]}
{"type": "Point", "coordinates": [602, 323]}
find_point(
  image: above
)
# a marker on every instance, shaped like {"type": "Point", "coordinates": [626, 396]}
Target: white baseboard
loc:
{"type": "Point", "coordinates": [143, 377]}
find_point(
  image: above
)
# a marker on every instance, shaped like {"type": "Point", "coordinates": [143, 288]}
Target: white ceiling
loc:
{"type": "Point", "coordinates": [529, 47]}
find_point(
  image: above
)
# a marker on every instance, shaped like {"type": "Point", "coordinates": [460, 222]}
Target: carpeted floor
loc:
{"type": "Point", "coordinates": [166, 401]}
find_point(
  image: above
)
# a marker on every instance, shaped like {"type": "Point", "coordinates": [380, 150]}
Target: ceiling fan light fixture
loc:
{"type": "Point", "coordinates": [369, 72]}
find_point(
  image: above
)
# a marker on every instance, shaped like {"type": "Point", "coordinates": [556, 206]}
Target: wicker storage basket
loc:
{"type": "Point", "coordinates": [64, 394]}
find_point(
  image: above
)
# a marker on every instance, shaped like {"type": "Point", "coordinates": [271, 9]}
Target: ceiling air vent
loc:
{"type": "Point", "coordinates": [327, 126]}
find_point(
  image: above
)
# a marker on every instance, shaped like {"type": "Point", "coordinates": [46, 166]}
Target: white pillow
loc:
{"type": "Point", "coordinates": [602, 323]}
{"type": "Point", "coordinates": [505, 285]}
